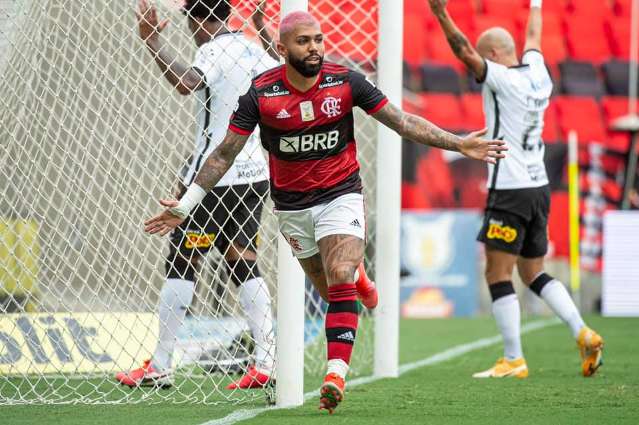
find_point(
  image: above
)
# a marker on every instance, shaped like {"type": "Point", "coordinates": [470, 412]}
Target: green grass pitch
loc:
{"type": "Point", "coordinates": [444, 393]}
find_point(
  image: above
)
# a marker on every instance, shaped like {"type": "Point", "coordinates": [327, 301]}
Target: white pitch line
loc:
{"type": "Point", "coordinates": [442, 356]}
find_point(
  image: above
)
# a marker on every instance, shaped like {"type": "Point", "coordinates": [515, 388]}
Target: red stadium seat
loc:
{"type": "Point", "coordinates": [586, 38]}
{"type": "Point", "coordinates": [550, 133]}
{"type": "Point", "coordinates": [599, 8]}
{"type": "Point", "coordinates": [623, 7]}
{"type": "Point", "coordinates": [415, 40]}
{"type": "Point", "coordinates": [444, 110]}
{"type": "Point", "coordinates": [473, 109]}
{"type": "Point", "coordinates": [618, 30]}
{"type": "Point", "coordinates": [502, 8]}
{"type": "Point", "coordinates": [581, 114]}
{"type": "Point", "coordinates": [552, 24]}
{"type": "Point", "coordinates": [554, 50]}
{"type": "Point", "coordinates": [414, 197]}
{"type": "Point", "coordinates": [439, 51]}
{"type": "Point", "coordinates": [558, 223]}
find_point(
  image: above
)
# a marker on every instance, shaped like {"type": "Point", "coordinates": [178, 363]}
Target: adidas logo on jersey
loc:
{"type": "Point", "coordinates": [347, 336]}
{"type": "Point", "coordinates": [282, 114]}
{"type": "Point", "coordinates": [356, 223]}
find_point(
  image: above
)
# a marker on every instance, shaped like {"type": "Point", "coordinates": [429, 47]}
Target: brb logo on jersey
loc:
{"type": "Point", "coordinates": [310, 142]}
{"type": "Point", "coordinates": [331, 106]}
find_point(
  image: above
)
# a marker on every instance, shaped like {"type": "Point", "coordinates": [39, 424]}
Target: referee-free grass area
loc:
{"type": "Point", "coordinates": [442, 393]}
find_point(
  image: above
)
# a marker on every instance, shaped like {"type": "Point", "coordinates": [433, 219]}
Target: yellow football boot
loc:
{"type": "Point", "coordinates": [505, 368]}
{"type": "Point", "coordinates": [590, 345]}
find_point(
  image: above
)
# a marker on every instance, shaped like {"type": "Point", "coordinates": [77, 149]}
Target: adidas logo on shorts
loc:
{"type": "Point", "coordinates": [282, 114]}
{"type": "Point", "coordinates": [355, 223]}
{"type": "Point", "coordinates": [347, 336]}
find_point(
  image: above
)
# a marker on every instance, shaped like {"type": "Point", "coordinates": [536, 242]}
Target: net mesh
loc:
{"type": "Point", "coordinates": [92, 135]}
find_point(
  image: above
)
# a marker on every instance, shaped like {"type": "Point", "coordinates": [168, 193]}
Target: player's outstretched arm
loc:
{"type": "Point", "coordinates": [214, 168]}
{"type": "Point", "coordinates": [419, 130]}
{"type": "Point", "coordinates": [262, 31]}
{"type": "Point", "coordinates": [457, 40]}
{"type": "Point", "coordinates": [184, 78]}
{"type": "Point", "coordinates": [534, 28]}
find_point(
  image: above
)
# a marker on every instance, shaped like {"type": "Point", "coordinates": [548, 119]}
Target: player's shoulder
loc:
{"type": "Point", "coordinates": [268, 77]}
{"type": "Point", "coordinates": [334, 68]}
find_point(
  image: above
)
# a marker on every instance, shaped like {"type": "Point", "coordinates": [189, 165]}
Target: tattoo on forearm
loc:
{"type": "Point", "coordinates": [220, 160]}
{"type": "Point", "coordinates": [458, 42]}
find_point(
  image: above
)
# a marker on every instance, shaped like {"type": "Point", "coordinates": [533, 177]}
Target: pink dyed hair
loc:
{"type": "Point", "coordinates": [293, 19]}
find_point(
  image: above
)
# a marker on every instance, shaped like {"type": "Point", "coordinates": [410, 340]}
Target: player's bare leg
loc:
{"type": "Point", "coordinates": [499, 269]}
{"type": "Point", "coordinates": [554, 293]}
{"type": "Point", "coordinates": [341, 256]}
{"type": "Point", "coordinates": [255, 300]}
{"type": "Point", "coordinates": [366, 290]}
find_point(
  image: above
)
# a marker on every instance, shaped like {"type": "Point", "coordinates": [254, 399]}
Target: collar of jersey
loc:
{"type": "Point", "coordinates": [308, 92]}
{"type": "Point", "coordinates": [218, 35]}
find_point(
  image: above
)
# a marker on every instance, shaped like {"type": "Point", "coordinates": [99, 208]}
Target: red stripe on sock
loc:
{"type": "Point", "coordinates": [342, 292]}
{"type": "Point", "coordinates": [339, 350]}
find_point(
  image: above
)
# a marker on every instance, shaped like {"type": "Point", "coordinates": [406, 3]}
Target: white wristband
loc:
{"type": "Point", "coordinates": [535, 3]}
{"type": "Point", "coordinates": [192, 197]}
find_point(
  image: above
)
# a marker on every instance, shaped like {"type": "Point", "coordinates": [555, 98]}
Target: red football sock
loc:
{"type": "Point", "coordinates": [341, 321]}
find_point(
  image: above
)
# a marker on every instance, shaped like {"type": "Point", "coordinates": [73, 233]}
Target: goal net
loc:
{"type": "Point", "coordinates": [91, 136]}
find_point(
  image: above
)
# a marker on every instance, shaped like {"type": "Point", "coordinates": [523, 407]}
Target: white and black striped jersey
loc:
{"type": "Point", "coordinates": [228, 63]}
{"type": "Point", "coordinates": [514, 100]}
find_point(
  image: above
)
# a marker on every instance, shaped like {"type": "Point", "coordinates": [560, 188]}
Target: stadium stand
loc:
{"type": "Point", "coordinates": [439, 78]}
{"type": "Point", "coordinates": [580, 79]}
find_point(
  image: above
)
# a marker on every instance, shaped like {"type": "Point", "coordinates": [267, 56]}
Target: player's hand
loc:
{"type": "Point", "coordinates": [258, 15]}
{"type": "Point", "coordinates": [437, 6]}
{"type": "Point", "coordinates": [164, 222]}
{"type": "Point", "coordinates": [473, 146]}
{"type": "Point", "coordinates": [148, 24]}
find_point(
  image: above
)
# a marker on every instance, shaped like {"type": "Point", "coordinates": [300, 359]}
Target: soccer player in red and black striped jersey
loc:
{"type": "Point", "coordinates": [305, 112]}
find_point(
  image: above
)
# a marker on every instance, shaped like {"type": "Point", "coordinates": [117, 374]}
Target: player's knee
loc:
{"type": "Point", "coordinates": [496, 272]}
{"type": "Point", "coordinates": [341, 273]}
{"type": "Point", "coordinates": [242, 270]}
{"type": "Point", "coordinates": [179, 267]}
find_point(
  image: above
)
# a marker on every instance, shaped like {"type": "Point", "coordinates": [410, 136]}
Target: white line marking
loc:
{"type": "Point", "coordinates": [442, 356]}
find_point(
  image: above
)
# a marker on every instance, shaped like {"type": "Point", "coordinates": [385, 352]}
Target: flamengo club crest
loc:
{"type": "Point", "coordinates": [331, 107]}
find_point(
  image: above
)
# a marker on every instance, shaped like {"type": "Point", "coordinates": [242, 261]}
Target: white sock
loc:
{"type": "Point", "coordinates": [255, 300]}
{"type": "Point", "coordinates": [175, 298]}
{"type": "Point", "coordinates": [507, 315]}
{"type": "Point", "coordinates": [559, 300]}
{"type": "Point", "coordinates": [337, 366]}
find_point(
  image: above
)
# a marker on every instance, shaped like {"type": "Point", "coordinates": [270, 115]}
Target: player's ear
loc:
{"type": "Point", "coordinates": [281, 49]}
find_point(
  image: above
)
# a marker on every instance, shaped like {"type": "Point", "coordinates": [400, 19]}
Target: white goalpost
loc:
{"type": "Point", "coordinates": [91, 136]}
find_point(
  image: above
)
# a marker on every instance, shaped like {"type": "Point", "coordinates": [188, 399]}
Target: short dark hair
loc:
{"type": "Point", "coordinates": [211, 10]}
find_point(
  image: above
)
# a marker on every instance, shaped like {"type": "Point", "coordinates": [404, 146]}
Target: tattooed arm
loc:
{"type": "Point", "coordinates": [419, 130]}
{"type": "Point", "coordinates": [533, 29]}
{"type": "Point", "coordinates": [184, 78]}
{"type": "Point", "coordinates": [220, 160]}
{"type": "Point", "coordinates": [214, 168]}
{"type": "Point", "coordinates": [457, 40]}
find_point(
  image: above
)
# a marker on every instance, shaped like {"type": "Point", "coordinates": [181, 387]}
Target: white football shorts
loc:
{"type": "Point", "coordinates": [303, 228]}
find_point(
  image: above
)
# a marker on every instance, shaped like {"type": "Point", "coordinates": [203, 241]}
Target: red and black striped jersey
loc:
{"type": "Point", "coordinates": [309, 135]}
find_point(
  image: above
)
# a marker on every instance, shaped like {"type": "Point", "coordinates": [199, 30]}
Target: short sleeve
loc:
{"type": "Point", "coordinates": [532, 57]}
{"type": "Point", "coordinates": [247, 113]}
{"type": "Point", "coordinates": [496, 77]}
{"type": "Point", "coordinates": [365, 94]}
{"type": "Point", "coordinates": [206, 63]}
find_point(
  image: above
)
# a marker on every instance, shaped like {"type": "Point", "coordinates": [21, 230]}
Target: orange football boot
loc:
{"type": "Point", "coordinates": [366, 288]}
{"type": "Point", "coordinates": [331, 392]}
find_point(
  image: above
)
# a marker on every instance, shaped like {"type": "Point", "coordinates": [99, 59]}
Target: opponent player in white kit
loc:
{"type": "Point", "coordinates": [515, 95]}
{"type": "Point", "coordinates": [229, 216]}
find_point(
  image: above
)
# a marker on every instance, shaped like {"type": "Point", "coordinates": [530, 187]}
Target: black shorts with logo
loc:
{"type": "Point", "coordinates": [516, 221]}
{"type": "Point", "coordinates": [227, 214]}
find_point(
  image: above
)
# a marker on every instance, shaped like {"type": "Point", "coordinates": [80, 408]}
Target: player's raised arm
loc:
{"type": "Point", "coordinates": [184, 78]}
{"type": "Point", "coordinates": [533, 30]}
{"type": "Point", "coordinates": [457, 40]}
{"type": "Point", "coordinates": [214, 168]}
{"type": "Point", "coordinates": [422, 131]}
{"type": "Point", "coordinates": [262, 31]}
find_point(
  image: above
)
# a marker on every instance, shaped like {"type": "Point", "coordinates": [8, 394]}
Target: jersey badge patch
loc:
{"type": "Point", "coordinates": [306, 108]}
{"type": "Point", "coordinates": [331, 106]}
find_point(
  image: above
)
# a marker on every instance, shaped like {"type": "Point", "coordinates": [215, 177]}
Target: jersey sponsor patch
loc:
{"type": "Point", "coordinates": [497, 230]}
{"type": "Point", "coordinates": [310, 142]}
{"type": "Point", "coordinates": [306, 109]}
{"type": "Point", "coordinates": [198, 240]}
